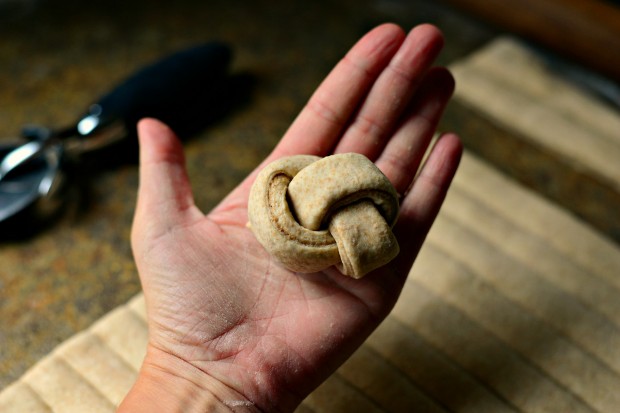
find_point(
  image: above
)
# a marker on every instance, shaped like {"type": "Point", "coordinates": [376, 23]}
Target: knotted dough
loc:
{"type": "Point", "coordinates": [311, 213]}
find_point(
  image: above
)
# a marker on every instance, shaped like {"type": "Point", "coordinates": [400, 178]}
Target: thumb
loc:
{"type": "Point", "coordinates": [164, 195]}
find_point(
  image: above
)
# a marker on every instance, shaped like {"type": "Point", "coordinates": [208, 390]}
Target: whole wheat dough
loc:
{"type": "Point", "coordinates": [311, 213]}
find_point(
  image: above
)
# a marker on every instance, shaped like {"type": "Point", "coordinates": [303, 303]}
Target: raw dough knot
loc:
{"type": "Point", "coordinates": [311, 213]}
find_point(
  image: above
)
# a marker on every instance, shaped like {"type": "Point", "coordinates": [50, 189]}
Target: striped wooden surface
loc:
{"type": "Point", "coordinates": [513, 306]}
{"type": "Point", "coordinates": [516, 87]}
{"type": "Point", "coordinates": [514, 108]}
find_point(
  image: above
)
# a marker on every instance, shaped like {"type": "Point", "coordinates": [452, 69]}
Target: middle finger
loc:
{"type": "Point", "coordinates": [389, 96]}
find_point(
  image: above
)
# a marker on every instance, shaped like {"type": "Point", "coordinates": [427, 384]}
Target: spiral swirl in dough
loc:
{"type": "Point", "coordinates": [311, 213]}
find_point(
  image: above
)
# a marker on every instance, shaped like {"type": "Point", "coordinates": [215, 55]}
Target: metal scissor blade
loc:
{"type": "Point", "coordinates": [31, 181]}
{"type": "Point", "coordinates": [19, 156]}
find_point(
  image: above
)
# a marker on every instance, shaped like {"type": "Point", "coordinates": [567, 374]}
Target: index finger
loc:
{"type": "Point", "coordinates": [322, 120]}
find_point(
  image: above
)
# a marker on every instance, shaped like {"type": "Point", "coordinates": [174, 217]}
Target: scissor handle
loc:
{"type": "Point", "coordinates": [175, 90]}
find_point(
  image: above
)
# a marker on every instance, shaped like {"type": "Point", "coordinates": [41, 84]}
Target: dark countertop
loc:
{"type": "Point", "coordinates": [58, 58]}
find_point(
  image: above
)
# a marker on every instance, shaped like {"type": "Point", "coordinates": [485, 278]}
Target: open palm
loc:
{"type": "Point", "coordinates": [218, 305]}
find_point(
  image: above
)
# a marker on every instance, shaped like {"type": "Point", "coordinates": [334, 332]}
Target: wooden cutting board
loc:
{"type": "Point", "coordinates": [514, 108]}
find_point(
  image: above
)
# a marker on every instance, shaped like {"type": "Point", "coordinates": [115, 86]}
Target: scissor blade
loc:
{"type": "Point", "coordinates": [20, 156]}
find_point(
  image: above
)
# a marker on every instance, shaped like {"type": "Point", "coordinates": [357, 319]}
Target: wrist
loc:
{"type": "Point", "coordinates": [169, 384]}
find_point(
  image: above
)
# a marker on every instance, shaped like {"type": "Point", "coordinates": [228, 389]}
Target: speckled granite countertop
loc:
{"type": "Point", "coordinates": [58, 58]}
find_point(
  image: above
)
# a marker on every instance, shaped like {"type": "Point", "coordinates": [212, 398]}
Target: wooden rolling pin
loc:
{"type": "Point", "coordinates": [587, 31]}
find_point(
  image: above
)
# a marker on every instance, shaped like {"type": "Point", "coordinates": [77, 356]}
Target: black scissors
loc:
{"type": "Point", "coordinates": [181, 89]}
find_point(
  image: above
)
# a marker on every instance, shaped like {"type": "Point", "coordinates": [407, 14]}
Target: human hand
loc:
{"type": "Point", "coordinates": [229, 329]}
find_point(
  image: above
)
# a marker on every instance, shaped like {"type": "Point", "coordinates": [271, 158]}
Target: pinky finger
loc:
{"type": "Point", "coordinates": [422, 203]}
